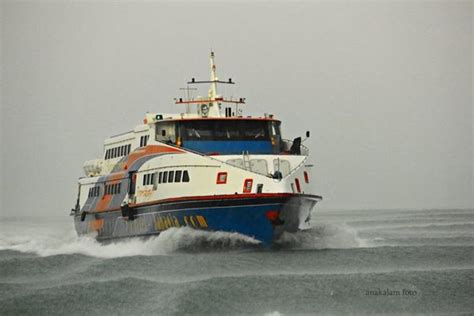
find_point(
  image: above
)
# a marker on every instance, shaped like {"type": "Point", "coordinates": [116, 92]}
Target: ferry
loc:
{"type": "Point", "coordinates": [209, 168]}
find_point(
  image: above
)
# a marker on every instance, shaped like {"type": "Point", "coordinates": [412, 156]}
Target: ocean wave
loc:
{"type": "Point", "coordinates": [47, 242]}
{"type": "Point", "coordinates": [171, 240]}
{"type": "Point", "coordinates": [469, 226]}
{"type": "Point", "coordinates": [323, 236]}
{"type": "Point", "coordinates": [417, 241]}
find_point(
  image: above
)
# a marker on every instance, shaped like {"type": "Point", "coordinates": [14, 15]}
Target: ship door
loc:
{"type": "Point", "coordinates": [132, 181]}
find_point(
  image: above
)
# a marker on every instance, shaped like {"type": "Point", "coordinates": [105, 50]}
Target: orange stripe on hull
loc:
{"type": "Point", "coordinates": [149, 150]}
{"type": "Point", "coordinates": [103, 204]}
{"type": "Point", "coordinates": [96, 224]}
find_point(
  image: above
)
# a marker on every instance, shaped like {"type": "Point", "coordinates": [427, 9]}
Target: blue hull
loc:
{"type": "Point", "coordinates": [263, 217]}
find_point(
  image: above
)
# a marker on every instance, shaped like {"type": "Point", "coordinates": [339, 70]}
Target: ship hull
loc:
{"type": "Point", "coordinates": [261, 216]}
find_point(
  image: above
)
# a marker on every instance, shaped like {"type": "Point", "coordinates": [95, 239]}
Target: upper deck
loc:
{"type": "Point", "coordinates": [223, 136]}
{"type": "Point", "coordinates": [216, 127]}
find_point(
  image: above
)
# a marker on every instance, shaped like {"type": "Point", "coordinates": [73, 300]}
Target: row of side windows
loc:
{"type": "Point", "coordinates": [112, 188]}
{"type": "Point", "coordinates": [149, 178]}
{"type": "Point", "coordinates": [118, 151]}
{"type": "Point", "coordinates": [166, 177]}
{"type": "Point", "coordinates": [94, 191]}
{"type": "Point", "coordinates": [173, 176]}
{"type": "Point", "coordinates": [144, 140]}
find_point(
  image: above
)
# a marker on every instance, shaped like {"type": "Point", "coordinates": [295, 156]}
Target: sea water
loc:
{"type": "Point", "coordinates": [350, 262]}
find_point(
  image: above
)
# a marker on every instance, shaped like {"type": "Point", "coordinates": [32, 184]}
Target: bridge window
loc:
{"type": "Point", "coordinates": [165, 177]}
{"type": "Point", "coordinates": [166, 132]}
{"type": "Point", "coordinates": [228, 129]}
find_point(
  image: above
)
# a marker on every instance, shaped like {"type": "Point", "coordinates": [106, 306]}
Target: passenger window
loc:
{"type": "Point", "coordinates": [171, 176]}
{"type": "Point", "coordinates": [159, 177]}
{"type": "Point", "coordinates": [185, 176]}
{"type": "Point", "coordinates": [177, 176]}
{"type": "Point", "coordinates": [165, 176]}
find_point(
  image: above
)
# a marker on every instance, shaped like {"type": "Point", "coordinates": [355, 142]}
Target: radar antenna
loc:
{"type": "Point", "coordinates": [210, 106]}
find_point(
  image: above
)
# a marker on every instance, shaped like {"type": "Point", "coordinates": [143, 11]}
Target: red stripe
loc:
{"type": "Point", "coordinates": [223, 118]}
{"type": "Point", "coordinates": [215, 197]}
{"type": "Point", "coordinates": [218, 197]}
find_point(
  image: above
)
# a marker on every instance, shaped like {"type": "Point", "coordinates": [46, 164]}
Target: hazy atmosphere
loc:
{"type": "Point", "coordinates": [385, 89]}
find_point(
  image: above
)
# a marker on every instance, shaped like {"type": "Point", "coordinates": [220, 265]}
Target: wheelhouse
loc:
{"type": "Point", "coordinates": [225, 136]}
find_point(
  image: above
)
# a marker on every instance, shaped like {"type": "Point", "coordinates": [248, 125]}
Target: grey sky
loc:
{"type": "Point", "coordinates": [385, 88]}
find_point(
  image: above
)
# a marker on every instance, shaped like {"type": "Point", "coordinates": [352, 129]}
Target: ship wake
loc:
{"type": "Point", "coordinates": [47, 239]}
{"type": "Point", "coordinates": [323, 236]}
{"type": "Point", "coordinates": [171, 241]}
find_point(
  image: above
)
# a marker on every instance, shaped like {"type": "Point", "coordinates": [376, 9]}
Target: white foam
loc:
{"type": "Point", "coordinates": [324, 236]}
{"type": "Point", "coordinates": [64, 241]}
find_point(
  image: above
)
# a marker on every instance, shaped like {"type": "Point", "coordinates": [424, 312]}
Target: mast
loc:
{"type": "Point", "coordinates": [214, 107]}
{"type": "Point", "coordinates": [210, 106]}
